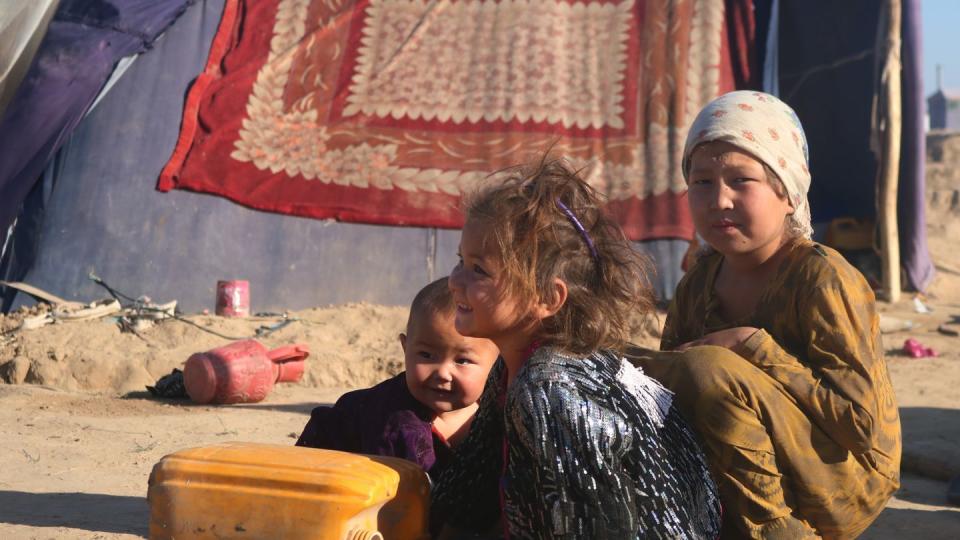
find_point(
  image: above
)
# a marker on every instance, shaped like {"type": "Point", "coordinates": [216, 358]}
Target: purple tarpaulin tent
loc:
{"type": "Point", "coordinates": [83, 43]}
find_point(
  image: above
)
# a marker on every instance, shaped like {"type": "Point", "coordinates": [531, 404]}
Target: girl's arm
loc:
{"type": "Point", "coordinates": [842, 381]}
{"type": "Point", "coordinates": [569, 481]}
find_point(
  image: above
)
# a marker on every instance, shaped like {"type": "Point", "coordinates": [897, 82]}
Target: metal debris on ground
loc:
{"type": "Point", "coordinates": [947, 331]}
{"type": "Point", "coordinates": [168, 310]}
{"type": "Point", "coordinates": [267, 330]}
{"type": "Point", "coordinates": [64, 312]}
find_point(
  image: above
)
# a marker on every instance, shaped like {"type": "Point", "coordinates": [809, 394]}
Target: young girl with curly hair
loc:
{"type": "Point", "coordinates": [570, 440]}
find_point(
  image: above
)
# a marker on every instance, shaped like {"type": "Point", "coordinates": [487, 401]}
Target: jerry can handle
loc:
{"type": "Point", "coordinates": [289, 353]}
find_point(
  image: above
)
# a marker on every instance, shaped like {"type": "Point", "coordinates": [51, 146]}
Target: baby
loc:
{"type": "Point", "coordinates": [422, 413]}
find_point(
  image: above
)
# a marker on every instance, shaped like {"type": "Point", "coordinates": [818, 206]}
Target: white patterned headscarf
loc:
{"type": "Point", "coordinates": [768, 129]}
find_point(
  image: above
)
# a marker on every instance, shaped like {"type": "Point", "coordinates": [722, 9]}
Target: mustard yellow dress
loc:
{"type": "Point", "coordinates": [800, 426]}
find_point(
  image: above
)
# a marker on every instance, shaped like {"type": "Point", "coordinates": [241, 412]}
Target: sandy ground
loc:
{"type": "Point", "coordinates": [76, 465]}
{"type": "Point", "coordinates": [81, 435]}
{"type": "Point", "coordinates": [76, 462]}
{"type": "Point", "coordinates": [352, 346]}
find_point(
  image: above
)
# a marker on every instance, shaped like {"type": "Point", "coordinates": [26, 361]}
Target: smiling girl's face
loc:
{"type": "Point", "coordinates": [734, 207]}
{"type": "Point", "coordinates": [484, 307]}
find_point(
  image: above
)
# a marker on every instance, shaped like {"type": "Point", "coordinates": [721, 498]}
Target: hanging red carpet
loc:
{"type": "Point", "coordinates": [386, 111]}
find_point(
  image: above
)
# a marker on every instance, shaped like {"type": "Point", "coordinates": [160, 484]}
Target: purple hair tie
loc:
{"type": "Point", "coordinates": [579, 227]}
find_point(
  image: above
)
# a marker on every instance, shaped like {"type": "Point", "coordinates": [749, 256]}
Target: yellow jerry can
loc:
{"type": "Point", "coordinates": [249, 490]}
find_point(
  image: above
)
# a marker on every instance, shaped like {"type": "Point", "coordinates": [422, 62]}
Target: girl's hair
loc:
{"type": "Point", "coordinates": [527, 225]}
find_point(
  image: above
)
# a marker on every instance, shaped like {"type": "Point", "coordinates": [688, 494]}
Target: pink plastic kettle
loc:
{"type": "Point", "coordinates": [241, 372]}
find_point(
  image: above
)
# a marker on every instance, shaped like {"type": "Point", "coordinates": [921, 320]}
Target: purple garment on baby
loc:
{"type": "Point", "coordinates": [385, 420]}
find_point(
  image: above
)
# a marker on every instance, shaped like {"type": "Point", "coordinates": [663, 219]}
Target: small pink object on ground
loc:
{"type": "Point", "coordinates": [241, 372]}
{"type": "Point", "coordinates": [233, 298]}
{"type": "Point", "coordinates": [914, 349]}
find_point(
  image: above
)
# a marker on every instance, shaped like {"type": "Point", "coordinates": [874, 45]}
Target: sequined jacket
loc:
{"type": "Point", "coordinates": [593, 449]}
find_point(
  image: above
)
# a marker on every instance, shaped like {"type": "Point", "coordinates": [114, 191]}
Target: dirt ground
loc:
{"type": "Point", "coordinates": [81, 434]}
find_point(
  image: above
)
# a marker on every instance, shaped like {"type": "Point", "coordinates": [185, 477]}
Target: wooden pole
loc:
{"type": "Point", "coordinates": [890, 158]}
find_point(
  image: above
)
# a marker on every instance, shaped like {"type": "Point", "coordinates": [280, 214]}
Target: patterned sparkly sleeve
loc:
{"type": "Point", "coordinates": [575, 447]}
{"type": "Point", "coordinates": [838, 382]}
{"type": "Point", "coordinates": [466, 496]}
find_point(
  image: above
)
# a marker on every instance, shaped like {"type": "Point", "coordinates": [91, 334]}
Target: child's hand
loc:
{"type": "Point", "coordinates": [731, 338]}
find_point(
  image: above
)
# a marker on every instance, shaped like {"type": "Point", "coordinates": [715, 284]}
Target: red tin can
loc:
{"type": "Point", "coordinates": [241, 372]}
{"type": "Point", "coordinates": [233, 298]}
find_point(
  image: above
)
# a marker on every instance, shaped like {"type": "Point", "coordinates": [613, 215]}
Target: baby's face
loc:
{"type": "Point", "coordinates": [445, 371]}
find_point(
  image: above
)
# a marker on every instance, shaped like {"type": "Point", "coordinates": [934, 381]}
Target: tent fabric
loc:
{"type": "Point", "coordinates": [827, 63]}
{"type": "Point", "coordinates": [83, 42]}
{"type": "Point", "coordinates": [96, 210]}
{"type": "Point", "coordinates": [911, 204]}
{"type": "Point", "coordinates": [22, 246]}
{"type": "Point", "coordinates": [22, 27]}
{"type": "Point", "coordinates": [385, 111]}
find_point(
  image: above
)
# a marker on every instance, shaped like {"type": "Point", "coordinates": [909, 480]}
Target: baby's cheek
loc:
{"type": "Point", "coordinates": [475, 392]}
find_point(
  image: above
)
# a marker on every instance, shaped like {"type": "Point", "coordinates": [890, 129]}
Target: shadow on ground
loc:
{"type": "Point", "coordinates": [302, 408]}
{"type": "Point", "coordinates": [896, 523]}
{"type": "Point", "coordinates": [87, 511]}
{"type": "Point", "coordinates": [931, 441]}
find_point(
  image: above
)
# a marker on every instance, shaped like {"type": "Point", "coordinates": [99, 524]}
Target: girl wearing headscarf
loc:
{"type": "Point", "coordinates": [800, 426]}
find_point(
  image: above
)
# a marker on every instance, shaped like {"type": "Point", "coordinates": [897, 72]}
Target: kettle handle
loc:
{"type": "Point", "coordinates": [289, 353]}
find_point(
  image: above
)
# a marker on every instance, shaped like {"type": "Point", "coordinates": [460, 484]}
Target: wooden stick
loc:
{"type": "Point", "coordinates": [40, 294]}
{"type": "Point", "coordinates": [890, 158]}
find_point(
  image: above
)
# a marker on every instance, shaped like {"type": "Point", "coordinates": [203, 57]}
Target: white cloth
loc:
{"type": "Point", "coordinates": [653, 398]}
{"type": "Point", "coordinates": [766, 128]}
